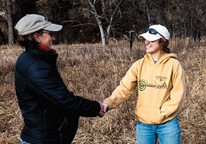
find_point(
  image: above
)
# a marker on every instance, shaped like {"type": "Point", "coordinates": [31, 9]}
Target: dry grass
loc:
{"type": "Point", "coordinates": [94, 72]}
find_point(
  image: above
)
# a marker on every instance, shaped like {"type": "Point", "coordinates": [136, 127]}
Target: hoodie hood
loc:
{"type": "Point", "coordinates": [149, 59]}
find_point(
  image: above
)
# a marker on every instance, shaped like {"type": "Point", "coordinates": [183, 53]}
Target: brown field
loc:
{"type": "Point", "coordinates": [94, 72]}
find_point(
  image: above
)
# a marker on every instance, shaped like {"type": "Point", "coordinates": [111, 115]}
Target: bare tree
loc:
{"type": "Point", "coordinates": [10, 21]}
{"type": "Point", "coordinates": [104, 34]}
{"type": "Point", "coordinates": [147, 11]}
{"type": "Point", "coordinates": [107, 18]}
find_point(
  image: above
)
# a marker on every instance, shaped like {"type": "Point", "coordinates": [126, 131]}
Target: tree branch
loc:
{"type": "Point", "coordinates": [112, 16]}
{"type": "Point", "coordinates": [83, 24]}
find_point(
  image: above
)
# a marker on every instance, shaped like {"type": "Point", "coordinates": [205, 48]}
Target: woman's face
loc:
{"type": "Point", "coordinates": [46, 39]}
{"type": "Point", "coordinates": [152, 47]}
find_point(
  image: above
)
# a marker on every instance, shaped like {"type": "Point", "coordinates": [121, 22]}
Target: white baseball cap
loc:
{"type": "Point", "coordinates": [155, 32]}
{"type": "Point", "coordinates": [34, 22]}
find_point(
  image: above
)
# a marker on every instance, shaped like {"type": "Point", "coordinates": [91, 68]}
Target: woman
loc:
{"type": "Point", "coordinates": [160, 80]}
{"type": "Point", "coordinates": [49, 110]}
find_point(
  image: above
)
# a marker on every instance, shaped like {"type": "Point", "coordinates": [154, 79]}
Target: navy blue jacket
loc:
{"type": "Point", "coordinates": [50, 111]}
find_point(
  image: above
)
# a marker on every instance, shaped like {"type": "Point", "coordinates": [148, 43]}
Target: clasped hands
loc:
{"type": "Point", "coordinates": [103, 110]}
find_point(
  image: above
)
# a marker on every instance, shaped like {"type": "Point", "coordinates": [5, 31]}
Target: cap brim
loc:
{"type": "Point", "coordinates": [53, 27]}
{"type": "Point", "coordinates": [149, 37]}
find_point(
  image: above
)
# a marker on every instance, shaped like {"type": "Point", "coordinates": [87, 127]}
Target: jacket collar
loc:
{"type": "Point", "coordinates": [48, 55]}
{"type": "Point", "coordinates": [45, 48]}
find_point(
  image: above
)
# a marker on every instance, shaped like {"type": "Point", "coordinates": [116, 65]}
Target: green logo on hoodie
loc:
{"type": "Point", "coordinates": [141, 85]}
{"type": "Point", "coordinates": [164, 84]}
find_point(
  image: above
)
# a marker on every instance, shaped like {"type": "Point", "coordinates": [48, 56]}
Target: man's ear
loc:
{"type": "Point", "coordinates": [36, 37]}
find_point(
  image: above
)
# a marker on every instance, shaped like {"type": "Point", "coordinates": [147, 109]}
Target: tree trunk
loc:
{"type": "Point", "coordinates": [99, 24]}
{"type": "Point", "coordinates": [111, 20]}
{"type": "Point", "coordinates": [104, 36]}
{"type": "Point", "coordinates": [148, 12]}
{"type": "Point", "coordinates": [10, 22]}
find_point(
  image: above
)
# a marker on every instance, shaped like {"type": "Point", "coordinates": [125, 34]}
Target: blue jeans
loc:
{"type": "Point", "coordinates": [168, 133]}
{"type": "Point", "coordinates": [23, 142]}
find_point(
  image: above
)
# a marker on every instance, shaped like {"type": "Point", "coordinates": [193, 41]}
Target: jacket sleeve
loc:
{"type": "Point", "coordinates": [177, 94]}
{"type": "Point", "coordinates": [47, 83]}
{"type": "Point", "coordinates": [124, 90]}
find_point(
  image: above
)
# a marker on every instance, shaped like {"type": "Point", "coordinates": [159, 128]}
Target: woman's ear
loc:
{"type": "Point", "coordinates": [36, 37]}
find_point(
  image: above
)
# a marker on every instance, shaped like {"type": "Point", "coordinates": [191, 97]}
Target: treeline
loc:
{"type": "Point", "coordinates": [100, 20]}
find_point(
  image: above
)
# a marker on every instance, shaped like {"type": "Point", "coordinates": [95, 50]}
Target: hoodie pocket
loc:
{"type": "Point", "coordinates": [149, 114]}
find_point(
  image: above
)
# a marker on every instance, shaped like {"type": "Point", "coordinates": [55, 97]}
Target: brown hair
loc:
{"type": "Point", "coordinates": [164, 44]}
{"type": "Point", "coordinates": [28, 41]}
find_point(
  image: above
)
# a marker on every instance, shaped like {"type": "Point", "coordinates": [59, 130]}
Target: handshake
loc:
{"type": "Point", "coordinates": [103, 110]}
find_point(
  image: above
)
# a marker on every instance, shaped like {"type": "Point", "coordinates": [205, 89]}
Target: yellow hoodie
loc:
{"type": "Point", "coordinates": [161, 88]}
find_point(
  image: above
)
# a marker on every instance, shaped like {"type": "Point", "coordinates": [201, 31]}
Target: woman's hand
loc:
{"type": "Point", "coordinates": [103, 110]}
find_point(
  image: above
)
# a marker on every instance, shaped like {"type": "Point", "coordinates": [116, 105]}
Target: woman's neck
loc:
{"type": "Point", "coordinates": [157, 55]}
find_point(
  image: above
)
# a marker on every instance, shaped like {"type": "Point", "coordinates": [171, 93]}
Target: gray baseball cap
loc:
{"type": "Point", "coordinates": [34, 22]}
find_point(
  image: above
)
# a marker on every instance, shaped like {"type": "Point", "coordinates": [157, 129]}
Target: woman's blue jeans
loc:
{"type": "Point", "coordinates": [168, 133]}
